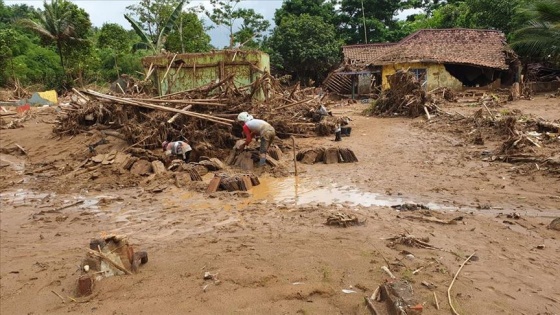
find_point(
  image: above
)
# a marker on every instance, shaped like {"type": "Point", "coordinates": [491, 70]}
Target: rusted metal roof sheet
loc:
{"type": "Point", "coordinates": [486, 48]}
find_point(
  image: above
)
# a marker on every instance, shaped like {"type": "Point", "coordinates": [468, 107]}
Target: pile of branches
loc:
{"type": "Point", "coordinates": [540, 72]}
{"type": "Point", "coordinates": [204, 116]}
{"type": "Point", "coordinates": [405, 97]}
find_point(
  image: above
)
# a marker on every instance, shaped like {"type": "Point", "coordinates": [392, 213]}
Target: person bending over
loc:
{"type": "Point", "coordinates": [257, 128]}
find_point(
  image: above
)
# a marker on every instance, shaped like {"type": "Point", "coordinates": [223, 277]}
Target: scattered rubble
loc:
{"type": "Point", "coordinates": [343, 220]}
{"type": "Point", "coordinates": [399, 298]}
{"type": "Point", "coordinates": [204, 115]}
{"type": "Point", "coordinates": [405, 97]}
{"type": "Point", "coordinates": [232, 183]}
{"type": "Point", "coordinates": [330, 155]}
{"type": "Point", "coordinates": [108, 256]}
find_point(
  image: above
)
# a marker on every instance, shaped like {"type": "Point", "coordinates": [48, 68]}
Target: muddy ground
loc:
{"type": "Point", "coordinates": [270, 250]}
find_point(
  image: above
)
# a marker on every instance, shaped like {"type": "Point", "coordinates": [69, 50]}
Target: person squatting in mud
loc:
{"type": "Point", "coordinates": [257, 128]}
{"type": "Point", "coordinates": [178, 149]}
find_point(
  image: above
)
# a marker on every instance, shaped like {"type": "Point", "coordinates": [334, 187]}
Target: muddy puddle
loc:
{"type": "Point", "coordinates": [302, 191]}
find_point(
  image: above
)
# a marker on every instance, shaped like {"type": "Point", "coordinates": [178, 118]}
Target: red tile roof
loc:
{"type": "Point", "coordinates": [485, 48]}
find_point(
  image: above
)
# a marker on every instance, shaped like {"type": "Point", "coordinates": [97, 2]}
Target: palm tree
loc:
{"type": "Point", "coordinates": [541, 38]}
{"type": "Point", "coordinates": [55, 25]}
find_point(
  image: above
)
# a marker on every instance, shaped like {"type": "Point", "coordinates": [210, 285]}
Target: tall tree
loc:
{"type": "Point", "coordinates": [8, 39]}
{"type": "Point", "coordinates": [227, 13]}
{"type": "Point", "coordinates": [322, 8]}
{"type": "Point", "coordinates": [495, 14]}
{"type": "Point", "coordinates": [115, 38]}
{"type": "Point", "coordinates": [540, 39]}
{"type": "Point", "coordinates": [224, 13]}
{"type": "Point", "coordinates": [62, 23]}
{"type": "Point", "coordinates": [370, 20]}
{"type": "Point", "coordinates": [305, 46]}
{"type": "Point", "coordinates": [189, 36]}
{"type": "Point", "coordinates": [253, 25]}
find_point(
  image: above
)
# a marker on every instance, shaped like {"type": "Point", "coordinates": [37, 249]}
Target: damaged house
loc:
{"type": "Point", "coordinates": [452, 58]}
{"type": "Point", "coordinates": [174, 73]}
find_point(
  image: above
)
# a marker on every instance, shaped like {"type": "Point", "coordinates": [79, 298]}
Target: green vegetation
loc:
{"type": "Point", "coordinates": [56, 46]}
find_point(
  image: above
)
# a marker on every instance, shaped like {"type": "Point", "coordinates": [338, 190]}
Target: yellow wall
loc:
{"type": "Point", "coordinates": [437, 75]}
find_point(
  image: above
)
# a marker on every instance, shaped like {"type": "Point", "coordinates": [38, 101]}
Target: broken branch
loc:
{"type": "Point", "coordinates": [453, 281]}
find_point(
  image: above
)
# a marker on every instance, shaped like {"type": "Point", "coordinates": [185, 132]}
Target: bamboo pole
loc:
{"type": "Point", "coordinates": [296, 103]}
{"type": "Point", "coordinates": [452, 282]}
{"type": "Point", "coordinates": [218, 120]}
{"type": "Point", "coordinates": [172, 119]}
{"type": "Point", "coordinates": [168, 68]}
{"type": "Point", "coordinates": [295, 155]}
{"type": "Point", "coordinates": [185, 101]}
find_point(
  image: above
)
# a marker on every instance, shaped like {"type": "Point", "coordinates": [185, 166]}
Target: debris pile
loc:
{"type": "Point", "coordinates": [399, 298]}
{"type": "Point", "coordinates": [204, 116]}
{"type": "Point", "coordinates": [343, 220]}
{"type": "Point", "coordinates": [107, 257]}
{"type": "Point", "coordinates": [326, 155]}
{"type": "Point", "coordinates": [232, 183]}
{"type": "Point", "coordinates": [405, 97]}
{"type": "Point", "coordinates": [521, 138]}
{"type": "Point", "coordinates": [540, 72]}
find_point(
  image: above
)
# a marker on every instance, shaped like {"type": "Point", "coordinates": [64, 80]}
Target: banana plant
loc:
{"type": "Point", "coordinates": [155, 44]}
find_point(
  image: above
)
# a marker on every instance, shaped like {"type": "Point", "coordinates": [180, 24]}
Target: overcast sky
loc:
{"type": "Point", "coordinates": [112, 11]}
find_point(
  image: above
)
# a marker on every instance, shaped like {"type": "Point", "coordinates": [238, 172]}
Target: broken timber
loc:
{"type": "Point", "coordinates": [211, 118]}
